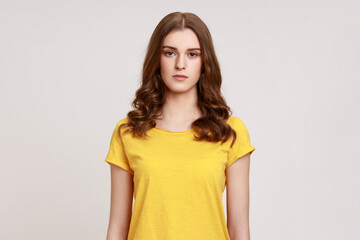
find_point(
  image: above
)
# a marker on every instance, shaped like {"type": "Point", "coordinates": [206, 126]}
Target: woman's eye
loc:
{"type": "Point", "coordinates": [169, 53]}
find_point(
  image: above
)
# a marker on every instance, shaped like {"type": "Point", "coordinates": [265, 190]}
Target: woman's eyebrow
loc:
{"type": "Point", "coordinates": [189, 49]}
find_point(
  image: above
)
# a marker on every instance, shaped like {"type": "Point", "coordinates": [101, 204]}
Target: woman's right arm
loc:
{"type": "Point", "coordinates": [121, 203]}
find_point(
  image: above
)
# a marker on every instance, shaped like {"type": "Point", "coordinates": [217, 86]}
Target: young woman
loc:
{"type": "Point", "coordinates": [180, 146]}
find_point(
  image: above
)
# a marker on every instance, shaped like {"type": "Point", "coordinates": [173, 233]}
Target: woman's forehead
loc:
{"type": "Point", "coordinates": [182, 39]}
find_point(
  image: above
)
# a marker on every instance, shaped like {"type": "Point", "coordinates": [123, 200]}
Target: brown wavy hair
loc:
{"type": "Point", "coordinates": [150, 97]}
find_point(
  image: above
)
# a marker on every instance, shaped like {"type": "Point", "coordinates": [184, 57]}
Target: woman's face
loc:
{"type": "Point", "coordinates": [180, 56]}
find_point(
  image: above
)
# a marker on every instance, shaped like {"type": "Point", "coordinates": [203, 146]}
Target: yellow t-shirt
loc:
{"type": "Point", "coordinates": [178, 182]}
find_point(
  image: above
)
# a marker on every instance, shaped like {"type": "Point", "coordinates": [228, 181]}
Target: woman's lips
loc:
{"type": "Point", "coordinates": [180, 77]}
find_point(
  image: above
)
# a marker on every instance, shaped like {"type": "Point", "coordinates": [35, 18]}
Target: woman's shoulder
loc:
{"type": "Point", "coordinates": [236, 122]}
{"type": "Point", "coordinates": [233, 120]}
{"type": "Point", "coordinates": [122, 120]}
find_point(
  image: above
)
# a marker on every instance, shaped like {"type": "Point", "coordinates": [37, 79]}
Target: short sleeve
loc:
{"type": "Point", "coordinates": [242, 143]}
{"type": "Point", "coordinates": [116, 154]}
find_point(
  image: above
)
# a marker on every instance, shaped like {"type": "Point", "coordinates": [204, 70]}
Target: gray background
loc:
{"type": "Point", "coordinates": [69, 71]}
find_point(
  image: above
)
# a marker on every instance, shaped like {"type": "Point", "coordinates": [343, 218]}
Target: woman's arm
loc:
{"type": "Point", "coordinates": [121, 203]}
{"type": "Point", "coordinates": [237, 200]}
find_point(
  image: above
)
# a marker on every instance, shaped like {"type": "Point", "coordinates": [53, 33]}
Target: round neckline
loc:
{"type": "Point", "coordinates": [169, 131]}
{"type": "Point", "coordinates": [184, 131]}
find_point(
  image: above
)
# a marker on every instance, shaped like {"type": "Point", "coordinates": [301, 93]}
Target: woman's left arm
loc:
{"type": "Point", "coordinates": [237, 198]}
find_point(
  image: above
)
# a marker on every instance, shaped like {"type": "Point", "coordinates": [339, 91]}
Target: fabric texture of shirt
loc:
{"type": "Point", "coordinates": [178, 182]}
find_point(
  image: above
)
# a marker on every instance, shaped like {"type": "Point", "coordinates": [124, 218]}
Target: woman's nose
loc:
{"type": "Point", "coordinates": [180, 63]}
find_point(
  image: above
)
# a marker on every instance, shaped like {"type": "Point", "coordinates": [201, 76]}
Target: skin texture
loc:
{"type": "Point", "coordinates": [237, 190]}
{"type": "Point", "coordinates": [121, 203]}
{"type": "Point", "coordinates": [180, 108]}
{"type": "Point", "coordinates": [179, 111]}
